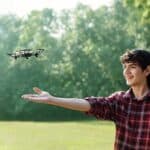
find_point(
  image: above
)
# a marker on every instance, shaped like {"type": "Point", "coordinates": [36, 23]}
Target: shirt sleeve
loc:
{"type": "Point", "coordinates": [103, 107]}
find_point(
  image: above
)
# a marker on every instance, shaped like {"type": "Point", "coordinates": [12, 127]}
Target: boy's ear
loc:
{"type": "Point", "coordinates": [147, 70]}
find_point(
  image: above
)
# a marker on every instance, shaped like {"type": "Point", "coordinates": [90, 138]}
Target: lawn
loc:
{"type": "Point", "coordinates": [77, 135]}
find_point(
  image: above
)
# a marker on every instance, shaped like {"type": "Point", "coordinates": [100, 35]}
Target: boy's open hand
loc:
{"type": "Point", "coordinates": [40, 97]}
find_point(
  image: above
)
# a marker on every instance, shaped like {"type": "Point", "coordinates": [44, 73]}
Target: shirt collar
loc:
{"type": "Point", "coordinates": [129, 94]}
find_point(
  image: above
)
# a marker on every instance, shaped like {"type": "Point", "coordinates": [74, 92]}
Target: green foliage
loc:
{"type": "Point", "coordinates": [140, 19]}
{"type": "Point", "coordinates": [142, 7]}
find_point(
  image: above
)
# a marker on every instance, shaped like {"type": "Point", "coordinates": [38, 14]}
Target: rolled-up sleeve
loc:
{"type": "Point", "coordinates": [103, 107]}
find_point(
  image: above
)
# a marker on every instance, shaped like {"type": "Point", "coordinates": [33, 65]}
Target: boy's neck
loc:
{"type": "Point", "coordinates": [140, 91]}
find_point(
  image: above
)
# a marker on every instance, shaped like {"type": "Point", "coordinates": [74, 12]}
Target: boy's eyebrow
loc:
{"type": "Point", "coordinates": [130, 64]}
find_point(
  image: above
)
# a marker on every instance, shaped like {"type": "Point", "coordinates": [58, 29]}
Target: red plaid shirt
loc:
{"type": "Point", "coordinates": [131, 117]}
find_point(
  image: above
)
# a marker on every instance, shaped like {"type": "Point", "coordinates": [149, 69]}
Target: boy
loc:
{"type": "Point", "coordinates": [130, 110]}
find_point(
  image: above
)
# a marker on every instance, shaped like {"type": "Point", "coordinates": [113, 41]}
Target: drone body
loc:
{"type": "Point", "coordinates": [26, 53]}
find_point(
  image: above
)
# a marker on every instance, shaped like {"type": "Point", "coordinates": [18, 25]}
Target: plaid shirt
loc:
{"type": "Point", "coordinates": [131, 117]}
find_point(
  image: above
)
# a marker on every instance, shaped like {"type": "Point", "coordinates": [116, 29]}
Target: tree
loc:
{"type": "Point", "coordinates": [142, 8]}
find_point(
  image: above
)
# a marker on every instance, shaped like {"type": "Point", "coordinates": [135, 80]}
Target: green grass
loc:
{"type": "Point", "coordinates": [90, 135]}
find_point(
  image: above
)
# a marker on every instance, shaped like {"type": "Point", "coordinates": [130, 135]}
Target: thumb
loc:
{"type": "Point", "coordinates": [37, 90]}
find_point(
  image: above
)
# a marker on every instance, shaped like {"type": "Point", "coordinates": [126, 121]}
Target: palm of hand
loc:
{"type": "Point", "coordinates": [41, 96]}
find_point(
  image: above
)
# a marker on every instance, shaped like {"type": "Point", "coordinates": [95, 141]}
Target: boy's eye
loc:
{"type": "Point", "coordinates": [133, 66]}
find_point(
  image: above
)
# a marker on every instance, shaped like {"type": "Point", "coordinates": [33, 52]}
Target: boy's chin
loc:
{"type": "Point", "coordinates": [129, 84]}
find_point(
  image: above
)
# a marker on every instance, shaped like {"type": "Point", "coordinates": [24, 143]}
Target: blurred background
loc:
{"type": "Point", "coordinates": [83, 41]}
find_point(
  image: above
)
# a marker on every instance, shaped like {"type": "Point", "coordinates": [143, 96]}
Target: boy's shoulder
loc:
{"type": "Point", "coordinates": [118, 94]}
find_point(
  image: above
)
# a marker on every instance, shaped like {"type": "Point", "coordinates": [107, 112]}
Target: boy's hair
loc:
{"type": "Point", "coordinates": [139, 56]}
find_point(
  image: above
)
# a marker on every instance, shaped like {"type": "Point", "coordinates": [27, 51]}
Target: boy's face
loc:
{"type": "Point", "coordinates": [134, 75]}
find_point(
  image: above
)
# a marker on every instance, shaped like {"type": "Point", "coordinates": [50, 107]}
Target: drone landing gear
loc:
{"type": "Point", "coordinates": [36, 54]}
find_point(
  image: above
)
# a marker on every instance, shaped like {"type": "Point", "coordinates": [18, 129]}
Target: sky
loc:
{"type": "Point", "coordinates": [23, 7]}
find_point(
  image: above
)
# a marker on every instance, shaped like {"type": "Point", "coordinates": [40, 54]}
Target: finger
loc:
{"type": "Point", "coordinates": [37, 90]}
{"type": "Point", "coordinates": [26, 96]}
{"type": "Point", "coordinates": [34, 98]}
{"type": "Point", "coordinates": [29, 98]}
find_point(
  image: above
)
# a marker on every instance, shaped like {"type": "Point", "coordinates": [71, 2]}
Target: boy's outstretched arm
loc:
{"type": "Point", "coordinates": [70, 103]}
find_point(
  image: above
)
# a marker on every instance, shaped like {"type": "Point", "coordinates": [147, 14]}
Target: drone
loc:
{"type": "Point", "coordinates": [26, 53]}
